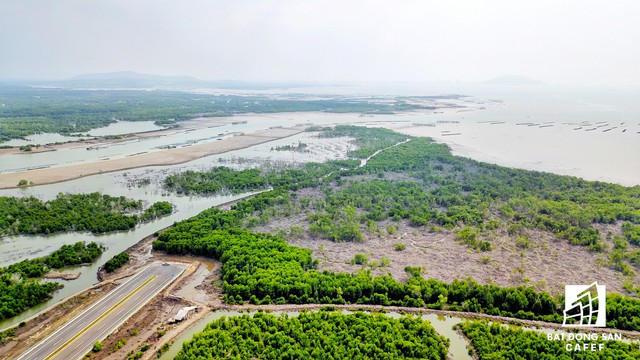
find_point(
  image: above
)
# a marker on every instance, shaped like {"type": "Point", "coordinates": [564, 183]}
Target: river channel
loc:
{"type": "Point", "coordinates": [127, 183]}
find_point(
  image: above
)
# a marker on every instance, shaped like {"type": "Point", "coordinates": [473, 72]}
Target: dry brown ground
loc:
{"type": "Point", "coordinates": [547, 264]}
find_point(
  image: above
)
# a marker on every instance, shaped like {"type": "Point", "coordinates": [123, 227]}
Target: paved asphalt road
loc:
{"type": "Point", "coordinates": [75, 338]}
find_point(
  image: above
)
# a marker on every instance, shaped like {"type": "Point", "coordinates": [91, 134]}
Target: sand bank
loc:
{"type": "Point", "coordinates": [185, 125]}
{"type": "Point", "coordinates": [63, 276]}
{"type": "Point", "coordinates": [164, 157]}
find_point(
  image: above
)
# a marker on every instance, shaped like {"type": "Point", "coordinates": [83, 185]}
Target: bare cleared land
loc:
{"type": "Point", "coordinates": [547, 263]}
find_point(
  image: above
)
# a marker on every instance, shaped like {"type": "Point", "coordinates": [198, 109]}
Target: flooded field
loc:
{"type": "Point", "coordinates": [128, 184]}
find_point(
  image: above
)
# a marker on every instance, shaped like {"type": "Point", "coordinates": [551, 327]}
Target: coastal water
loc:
{"type": "Point", "coordinates": [82, 153]}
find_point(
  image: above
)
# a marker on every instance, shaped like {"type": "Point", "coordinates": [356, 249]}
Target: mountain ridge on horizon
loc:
{"type": "Point", "coordinates": [129, 75]}
{"type": "Point", "coordinates": [133, 79]}
{"type": "Point", "coordinates": [134, 75]}
{"type": "Point", "coordinates": [513, 80]}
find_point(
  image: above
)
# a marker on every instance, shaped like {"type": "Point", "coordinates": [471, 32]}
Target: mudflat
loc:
{"type": "Point", "coordinates": [157, 158]}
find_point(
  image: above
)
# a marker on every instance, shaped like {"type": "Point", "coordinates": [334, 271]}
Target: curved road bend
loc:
{"type": "Point", "coordinates": [75, 338]}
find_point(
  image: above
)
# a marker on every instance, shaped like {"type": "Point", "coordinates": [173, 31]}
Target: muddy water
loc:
{"type": "Point", "coordinates": [179, 138]}
{"type": "Point", "coordinates": [40, 139]}
{"type": "Point", "coordinates": [126, 183]}
{"type": "Point", "coordinates": [442, 324]}
{"type": "Point", "coordinates": [118, 128]}
{"type": "Point", "coordinates": [125, 127]}
{"type": "Point", "coordinates": [18, 248]}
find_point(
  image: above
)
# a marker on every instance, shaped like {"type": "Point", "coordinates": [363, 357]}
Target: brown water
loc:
{"type": "Point", "coordinates": [17, 248]}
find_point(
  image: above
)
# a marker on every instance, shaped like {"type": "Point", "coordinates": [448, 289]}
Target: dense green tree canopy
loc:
{"type": "Point", "coordinates": [116, 262]}
{"type": "Point", "coordinates": [496, 341]}
{"type": "Point", "coordinates": [317, 335]}
{"type": "Point", "coordinates": [93, 212]}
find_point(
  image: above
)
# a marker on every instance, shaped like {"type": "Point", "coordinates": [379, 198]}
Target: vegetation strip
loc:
{"type": "Point", "coordinates": [316, 335]}
{"type": "Point", "coordinates": [93, 212]}
{"type": "Point", "coordinates": [497, 341]}
{"type": "Point", "coordinates": [416, 311]}
{"type": "Point", "coordinates": [72, 112]}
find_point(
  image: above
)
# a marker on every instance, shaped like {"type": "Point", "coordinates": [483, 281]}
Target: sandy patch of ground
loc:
{"type": "Point", "coordinates": [164, 157]}
{"type": "Point", "coordinates": [196, 123]}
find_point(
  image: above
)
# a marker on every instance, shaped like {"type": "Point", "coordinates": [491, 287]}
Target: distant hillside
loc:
{"type": "Point", "coordinates": [513, 80]}
{"type": "Point", "coordinates": [131, 76]}
{"type": "Point", "coordinates": [129, 79]}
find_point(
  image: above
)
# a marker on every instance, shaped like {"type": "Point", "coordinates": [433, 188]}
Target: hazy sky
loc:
{"type": "Point", "coordinates": [596, 42]}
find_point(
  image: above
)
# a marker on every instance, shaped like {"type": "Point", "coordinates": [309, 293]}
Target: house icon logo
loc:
{"type": "Point", "coordinates": [585, 305]}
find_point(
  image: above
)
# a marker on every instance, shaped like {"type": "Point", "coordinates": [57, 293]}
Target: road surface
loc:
{"type": "Point", "coordinates": [75, 338]}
